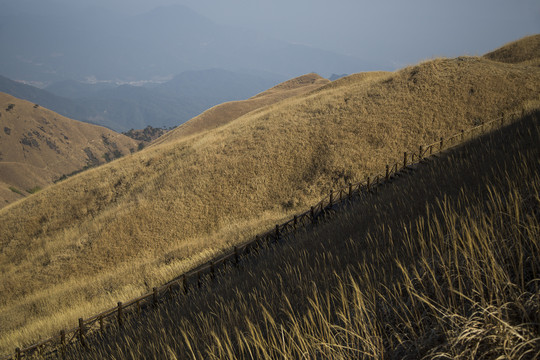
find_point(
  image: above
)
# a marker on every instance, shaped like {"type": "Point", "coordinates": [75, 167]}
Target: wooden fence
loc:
{"type": "Point", "coordinates": [193, 279]}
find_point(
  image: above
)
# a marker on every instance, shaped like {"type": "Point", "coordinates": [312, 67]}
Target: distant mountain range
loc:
{"type": "Point", "coordinates": [54, 44]}
{"type": "Point", "coordinates": [126, 107]}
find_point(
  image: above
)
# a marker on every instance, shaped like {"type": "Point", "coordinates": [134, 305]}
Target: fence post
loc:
{"type": "Point", "coordinates": [184, 280]}
{"type": "Point", "coordinates": [18, 353]}
{"type": "Point", "coordinates": [277, 232]}
{"type": "Point", "coordinates": [155, 295]}
{"type": "Point", "coordinates": [312, 214]}
{"type": "Point", "coordinates": [81, 332]}
{"type": "Point", "coordinates": [405, 159]}
{"type": "Point", "coordinates": [368, 185]}
{"type": "Point", "coordinates": [63, 341]}
{"type": "Point", "coordinates": [120, 315]}
{"type": "Point", "coordinates": [442, 142]}
{"type": "Point", "coordinates": [331, 198]}
{"type": "Point", "coordinates": [212, 270]}
{"type": "Point", "coordinates": [420, 153]}
{"type": "Point", "coordinates": [350, 190]}
{"type": "Point", "coordinates": [236, 257]}
{"type": "Point", "coordinates": [387, 172]}
{"type": "Point", "coordinates": [101, 326]}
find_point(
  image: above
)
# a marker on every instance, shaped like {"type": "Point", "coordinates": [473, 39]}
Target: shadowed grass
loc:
{"type": "Point", "coordinates": [441, 264]}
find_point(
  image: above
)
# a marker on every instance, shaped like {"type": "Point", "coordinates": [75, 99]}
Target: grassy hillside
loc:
{"type": "Point", "coordinates": [521, 51]}
{"type": "Point", "coordinates": [38, 146]}
{"type": "Point", "coordinates": [222, 114]}
{"type": "Point", "coordinates": [439, 264]}
{"type": "Point", "coordinates": [114, 232]}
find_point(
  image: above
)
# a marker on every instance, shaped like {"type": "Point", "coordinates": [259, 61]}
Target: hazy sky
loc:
{"type": "Point", "coordinates": [400, 32]}
{"type": "Point", "coordinates": [396, 32]}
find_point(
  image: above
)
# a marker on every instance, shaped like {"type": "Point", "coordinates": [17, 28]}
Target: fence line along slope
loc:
{"type": "Point", "coordinates": [192, 279]}
{"type": "Point", "coordinates": [114, 232]}
{"type": "Point", "coordinates": [442, 263]}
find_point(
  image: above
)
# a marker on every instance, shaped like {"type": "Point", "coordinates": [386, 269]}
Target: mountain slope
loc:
{"type": "Point", "coordinates": [117, 230]}
{"type": "Point", "coordinates": [38, 146]}
{"type": "Point", "coordinates": [519, 51]}
{"type": "Point", "coordinates": [224, 113]}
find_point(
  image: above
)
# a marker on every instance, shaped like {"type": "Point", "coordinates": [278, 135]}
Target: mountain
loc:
{"type": "Point", "coordinates": [73, 89]}
{"type": "Point", "coordinates": [222, 114]}
{"type": "Point", "coordinates": [38, 147]}
{"type": "Point", "coordinates": [520, 51]}
{"type": "Point", "coordinates": [116, 231]}
{"type": "Point", "coordinates": [50, 47]}
{"type": "Point", "coordinates": [128, 107]}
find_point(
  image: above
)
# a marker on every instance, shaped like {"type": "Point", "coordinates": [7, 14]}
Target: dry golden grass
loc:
{"type": "Point", "coordinates": [222, 114]}
{"type": "Point", "coordinates": [440, 264]}
{"type": "Point", "coordinates": [38, 146]}
{"type": "Point", "coordinates": [122, 228]}
{"type": "Point", "coordinates": [521, 51]}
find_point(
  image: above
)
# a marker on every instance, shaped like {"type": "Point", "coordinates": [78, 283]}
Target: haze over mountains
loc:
{"type": "Point", "coordinates": [127, 107]}
{"type": "Point", "coordinates": [57, 42]}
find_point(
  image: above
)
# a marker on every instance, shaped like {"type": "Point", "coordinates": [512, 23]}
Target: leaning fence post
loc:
{"type": "Point", "coordinates": [81, 332]}
{"type": "Point", "coordinates": [120, 315]}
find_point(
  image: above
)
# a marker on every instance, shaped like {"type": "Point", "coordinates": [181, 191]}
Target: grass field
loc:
{"type": "Point", "coordinates": [114, 232]}
{"type": "Point", "coordinates": [440, 264]}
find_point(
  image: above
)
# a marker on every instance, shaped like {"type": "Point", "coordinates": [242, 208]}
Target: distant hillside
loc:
{"type": "Point", "coordinates": [38, 146]}
{"type": "Point", "coordinates": [124, 227]}
{"type": "Point", "coordinates": [134, 107]}
{"type": "Point", "coordinates": [519, 51]}
{"type": "Point", "coordinates": [224, 113]}
{"type": "Point", "coordinates": [146, 135]}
